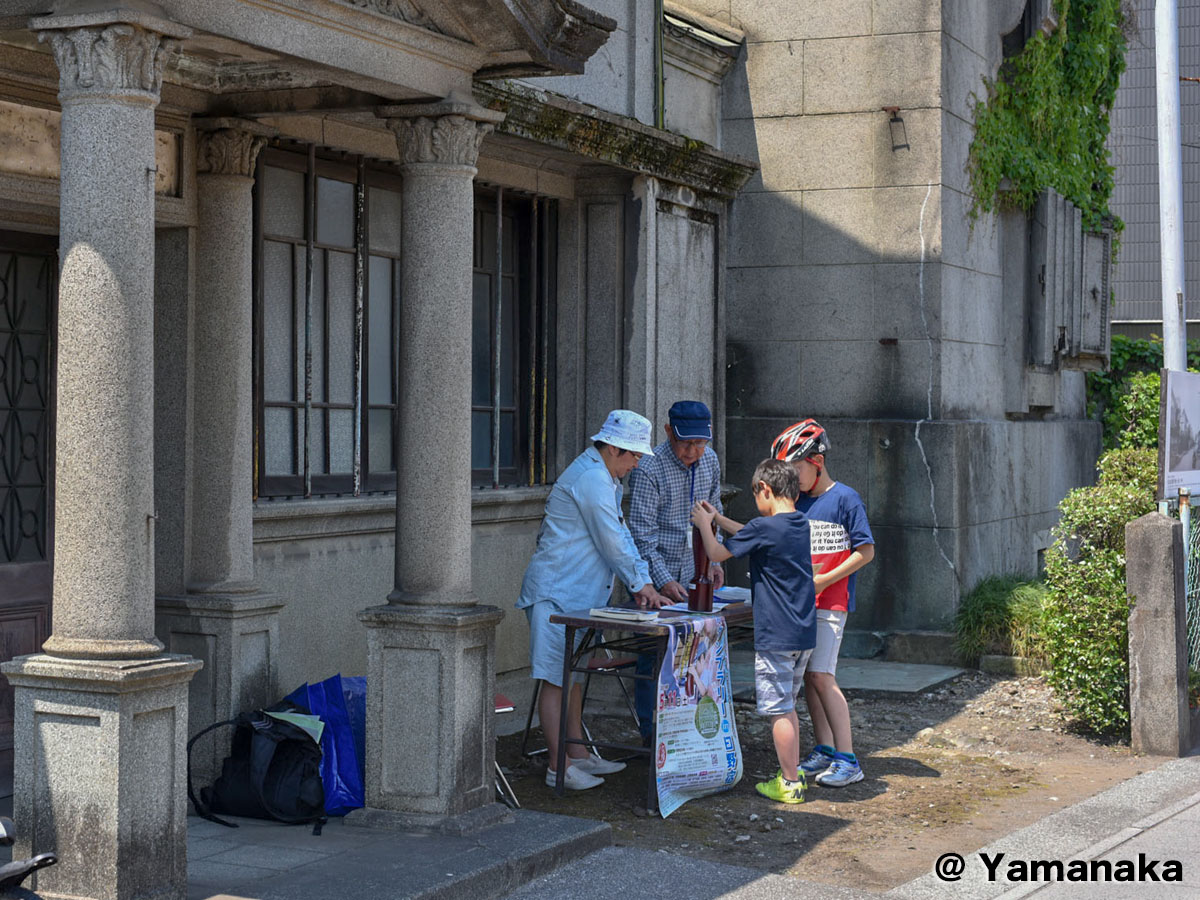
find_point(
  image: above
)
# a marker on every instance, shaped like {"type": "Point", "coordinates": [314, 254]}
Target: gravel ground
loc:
{"type": "Point", "coordinates": [949, 769]}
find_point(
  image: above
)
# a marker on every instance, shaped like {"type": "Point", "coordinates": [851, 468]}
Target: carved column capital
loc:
{"type": "Point", "coordinates": [229, 146]}
{"type": "Point", "coordinates": [110, 54]}
{"type": "Point", "coordinates": [447, 133]}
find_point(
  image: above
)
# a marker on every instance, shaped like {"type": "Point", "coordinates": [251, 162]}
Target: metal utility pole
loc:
{"type": "Point", "coordinates": [1170, 184]}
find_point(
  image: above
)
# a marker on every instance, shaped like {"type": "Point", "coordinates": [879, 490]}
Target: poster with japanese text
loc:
{"type": "Point", "coordinates": [696, 744]}
{"type": "Point", "coordinates": [1179, 433]}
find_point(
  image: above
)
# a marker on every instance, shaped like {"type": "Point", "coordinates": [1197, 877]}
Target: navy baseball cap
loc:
{"type": "Point", "coordinates": [691, 420]}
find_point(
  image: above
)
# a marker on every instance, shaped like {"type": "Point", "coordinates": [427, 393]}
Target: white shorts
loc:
{"type": "Point", "coordinates": [831, 625]}
{"type": "Point", "coordinates": [547, 643]}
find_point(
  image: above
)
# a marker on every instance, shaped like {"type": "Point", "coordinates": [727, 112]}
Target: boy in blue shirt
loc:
{"type": "Point", "coordinates": [841, 545]}
{"type": "Point", "coordinates": [781, 579]}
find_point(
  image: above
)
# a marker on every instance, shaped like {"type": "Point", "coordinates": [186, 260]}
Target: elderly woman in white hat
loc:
{"type": "Point", "coordinates": [582, 546]}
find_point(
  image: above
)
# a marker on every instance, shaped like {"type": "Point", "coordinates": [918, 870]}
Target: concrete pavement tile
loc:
{"type": "Point", "coordinates": [1187, 804]}
{"type": "Point", "coordinates": [1164, 844]}
{"type": "Point", "coordinates": [1190, 812]}
{"type": "Point", "coordinates": [645, 875]}
{"type": "Point", "coordinates": [209, 877]}
{"type": "Point", "coordinates": [279, 859]}
{"type": "Point", "coordinates": [200, 848]}
{"type": "Point", "coordinates": [198, 827]}
{"type": "Point", "coordinates": [1117, 891]}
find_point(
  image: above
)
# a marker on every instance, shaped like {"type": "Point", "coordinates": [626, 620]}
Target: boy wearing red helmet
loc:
{"type": "Point", "coordinates": [841, 544]}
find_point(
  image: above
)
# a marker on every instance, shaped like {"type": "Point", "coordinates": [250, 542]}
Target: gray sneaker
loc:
{"type": "Point", "coordinates": [816, 762]}
{"type": "Point", "coordinates": [840, 773]}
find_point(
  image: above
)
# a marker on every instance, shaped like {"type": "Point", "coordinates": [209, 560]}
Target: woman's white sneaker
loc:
{"type": "Point", "coordinates": [575, 780]}
{"type": "Point", "coordinates": [594, 764]}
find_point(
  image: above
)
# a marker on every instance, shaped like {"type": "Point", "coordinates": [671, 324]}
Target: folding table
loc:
{"type": "Point", "coordinates": [627, 637]}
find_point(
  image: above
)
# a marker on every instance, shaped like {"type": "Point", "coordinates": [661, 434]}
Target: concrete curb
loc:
{"type": "Point", "coordinates": [556, 840]}
{"type": "Point", "coordinates": [267, 861]}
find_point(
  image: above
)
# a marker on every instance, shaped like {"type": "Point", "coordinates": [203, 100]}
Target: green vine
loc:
{"type": "Point", "coordinates": [1045, 120]}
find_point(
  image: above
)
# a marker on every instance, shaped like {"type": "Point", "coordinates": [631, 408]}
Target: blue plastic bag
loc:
{"type": "Point", "coordinates": [343, 740]}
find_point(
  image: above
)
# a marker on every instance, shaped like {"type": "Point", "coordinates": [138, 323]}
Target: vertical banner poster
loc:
{"type": "Point", "coordinates": [1179, 434]}
{"type": "Point", "coordinates": [696, 744]}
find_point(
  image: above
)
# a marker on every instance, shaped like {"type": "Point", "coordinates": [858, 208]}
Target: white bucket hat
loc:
{"type": "Point", "coordinates": [627, 430]}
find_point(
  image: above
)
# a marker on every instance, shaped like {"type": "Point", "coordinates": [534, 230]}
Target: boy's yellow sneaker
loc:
{"type": "Point", "coordinates": [782, 791]}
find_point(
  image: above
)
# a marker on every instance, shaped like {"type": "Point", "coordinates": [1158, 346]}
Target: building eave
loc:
{"type": "Point", "coordinates": [595, 134]}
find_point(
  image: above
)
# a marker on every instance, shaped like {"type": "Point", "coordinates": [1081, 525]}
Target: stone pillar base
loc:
{"type": "Point", "coordinates": [470, 822]}
{"type": "Point", "coordinates": [236, 636]}
{"type": "Point", "coordinates": [100, 774]}
{"type": "Point", "coordinates": [430, 683]}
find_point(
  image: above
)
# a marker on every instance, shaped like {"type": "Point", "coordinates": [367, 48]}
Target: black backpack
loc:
{"type": "Point", "coordinates": [273, 771]}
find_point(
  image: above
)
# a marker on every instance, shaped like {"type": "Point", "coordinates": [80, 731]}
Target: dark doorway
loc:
{"type": "Point", "coordinates": [28, 292]}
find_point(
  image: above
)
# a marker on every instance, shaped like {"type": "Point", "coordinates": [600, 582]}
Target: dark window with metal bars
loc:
{"type": "Point", "coordinates": [513, 294]}
{"type": "Point", "coordinates": [327, 294]}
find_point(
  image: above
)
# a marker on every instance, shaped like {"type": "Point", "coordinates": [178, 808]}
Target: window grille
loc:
{"type": "Point", "coordinates": [327, 299]}
{"type": "Point", "coordinates": [327, 294]}
{"type": "Point", "coordinates": [513, 292]}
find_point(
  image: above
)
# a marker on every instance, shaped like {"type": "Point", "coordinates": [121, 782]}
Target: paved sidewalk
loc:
{"type": "Point", "coordinates": [268, 861]}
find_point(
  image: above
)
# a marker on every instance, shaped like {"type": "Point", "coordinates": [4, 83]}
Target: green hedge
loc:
{"type": "Point", "coordinates": [1087, 610]}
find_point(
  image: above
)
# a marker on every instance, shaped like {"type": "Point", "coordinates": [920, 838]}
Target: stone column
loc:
{"type": "Point", "coordinates": [101, 716]}
{"type": "Point", "coordinates": [1160, 722]}
{"type": "Point", "coordinates": [223, 620]}
{"type": "Point", "coordinates": [431, 648]}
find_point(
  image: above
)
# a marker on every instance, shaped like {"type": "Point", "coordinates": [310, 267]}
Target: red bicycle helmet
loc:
{"type": "Point", "coordinates": [800, 441]}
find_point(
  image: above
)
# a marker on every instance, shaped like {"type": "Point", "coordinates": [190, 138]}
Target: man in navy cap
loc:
{"type": "Point", "coordinates": [663, 488]}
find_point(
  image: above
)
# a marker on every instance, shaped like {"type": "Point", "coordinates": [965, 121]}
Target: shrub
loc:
{"type": "Point", "coordinates": [1133, 418]}
{"type": "Point", "coordinates": [1127, 357]}
{"type": "Point", "coordinates": [1002, 614]}
{"type": "Point", "coordinates": [1087, 610]}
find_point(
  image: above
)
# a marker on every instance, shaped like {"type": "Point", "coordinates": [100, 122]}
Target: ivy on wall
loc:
{"type": "Point", "coordinates": [1044, 122]}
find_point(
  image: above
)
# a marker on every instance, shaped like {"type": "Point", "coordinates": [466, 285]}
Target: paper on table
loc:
{"type": "Point", "coordinates": [629, 615]}
{"type": "Point", "coordinates": [732, 594]}
{"type": "Point", "coordinates": [683, 607]}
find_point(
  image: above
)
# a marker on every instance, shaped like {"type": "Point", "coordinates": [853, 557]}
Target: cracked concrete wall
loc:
{"type": "Point", "coordinates": [860, 296]}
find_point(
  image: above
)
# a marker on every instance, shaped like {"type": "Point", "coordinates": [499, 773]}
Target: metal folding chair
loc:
{"type": "Point", "coordinates": [607, 664]}
{"type": "Point", "coordinates": [503, 788]}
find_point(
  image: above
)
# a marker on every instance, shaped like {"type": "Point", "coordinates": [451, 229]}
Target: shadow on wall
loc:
{"type": "Point", "coordinates": [858, 295]}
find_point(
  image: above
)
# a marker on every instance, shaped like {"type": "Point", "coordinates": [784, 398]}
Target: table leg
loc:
{"type": "Point", "coordinates": [562, 718]}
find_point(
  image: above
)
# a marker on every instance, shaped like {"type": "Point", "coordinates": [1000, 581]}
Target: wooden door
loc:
{"type": "Point", "coordinates": [28, 271]}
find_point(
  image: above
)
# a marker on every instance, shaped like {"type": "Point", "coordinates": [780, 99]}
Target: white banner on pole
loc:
{"type": "Point", "coordinates": [1179, 433]}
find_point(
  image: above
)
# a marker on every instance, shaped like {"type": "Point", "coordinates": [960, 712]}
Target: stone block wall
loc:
{"type": "Point", "coordinates": [860, 295]}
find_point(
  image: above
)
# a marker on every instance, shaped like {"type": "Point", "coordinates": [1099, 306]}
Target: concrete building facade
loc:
{"type": "Point", "coordinates": [305, 306]}
{"type": "Point", "coordinates": [310, 303]}
{"type": "Point", "coordinates": [860, 295]}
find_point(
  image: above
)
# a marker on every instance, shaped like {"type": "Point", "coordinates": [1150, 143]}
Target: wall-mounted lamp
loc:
{"type": "Point", "coordinates": [898, 131]}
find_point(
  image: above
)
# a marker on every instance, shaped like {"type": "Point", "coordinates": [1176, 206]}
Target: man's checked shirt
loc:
{"type": "Point", "coordinates": [660, 503]}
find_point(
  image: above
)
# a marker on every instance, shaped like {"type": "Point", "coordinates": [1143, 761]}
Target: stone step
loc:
{"type": "Point", "coordinates": [270, 861]}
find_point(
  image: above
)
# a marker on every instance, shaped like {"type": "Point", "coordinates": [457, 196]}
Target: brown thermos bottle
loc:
{"type": "Point", "coordinates": [700, 596]}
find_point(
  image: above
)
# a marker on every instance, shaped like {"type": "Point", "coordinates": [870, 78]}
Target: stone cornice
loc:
{"type": "Point", "coordinates": [120, 53]}
{"type": "Point", "coordinates": [404, 11]}
{"type": "Point", "coordinates": [561, 35]}
{"type": "Point", "coordinates": [447, 133]}
{"type": "Point", "coordinates": [229, 146]}
{"type": "Point", "coordinates": [556, 121]}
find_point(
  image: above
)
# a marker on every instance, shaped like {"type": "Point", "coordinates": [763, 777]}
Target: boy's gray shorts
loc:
{"type": "Point", "coordinates": [778, 678]}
